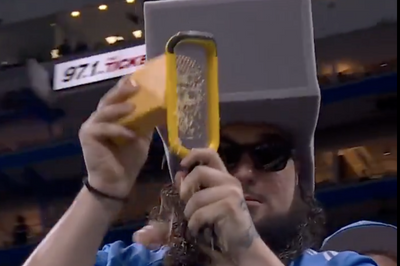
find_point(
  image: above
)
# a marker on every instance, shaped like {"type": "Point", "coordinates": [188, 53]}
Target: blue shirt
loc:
{"type": "Point", "coordinates": [117, 254]}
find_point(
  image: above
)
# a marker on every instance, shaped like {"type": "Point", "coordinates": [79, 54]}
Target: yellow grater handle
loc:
{"type": "Point", "coordinates": [207, 41]}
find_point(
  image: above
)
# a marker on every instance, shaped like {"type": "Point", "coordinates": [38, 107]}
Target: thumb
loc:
{"type": "Point", "coordinates": [152, 236]}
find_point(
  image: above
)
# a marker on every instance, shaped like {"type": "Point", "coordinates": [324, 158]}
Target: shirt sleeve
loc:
{"type": "Point", "coordinates": [350, 259]}
{"type": "Point", "coordinates": [118, 254]}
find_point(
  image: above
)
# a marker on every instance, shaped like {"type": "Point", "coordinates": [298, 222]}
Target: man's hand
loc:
{"type": "Point", "coordinates": [153, 236]}
{"type": "Point", "coordinates": [113, 168]}
{"type": "Point", "coordinates": [215, 198]}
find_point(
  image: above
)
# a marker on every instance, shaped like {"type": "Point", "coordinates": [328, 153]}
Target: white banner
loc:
{"type": "Point", "coordinates": [98, 67]}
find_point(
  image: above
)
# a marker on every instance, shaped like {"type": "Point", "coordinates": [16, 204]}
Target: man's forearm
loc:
{"type": "Point", "coordinates": [77, 236]}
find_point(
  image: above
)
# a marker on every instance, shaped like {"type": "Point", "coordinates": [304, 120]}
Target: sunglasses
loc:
{"type": "Point", "coordinates": [272, 154]}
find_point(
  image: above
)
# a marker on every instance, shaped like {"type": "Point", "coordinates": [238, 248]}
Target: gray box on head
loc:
{"type": "Point", "coordinates": [267, 70]}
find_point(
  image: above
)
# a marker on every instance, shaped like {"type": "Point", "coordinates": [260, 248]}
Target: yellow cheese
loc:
{"type": "Point", "coordinates": [149, 101]}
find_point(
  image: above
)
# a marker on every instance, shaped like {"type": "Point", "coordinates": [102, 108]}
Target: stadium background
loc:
{"type": "Point", "coordinates": [41, 163]}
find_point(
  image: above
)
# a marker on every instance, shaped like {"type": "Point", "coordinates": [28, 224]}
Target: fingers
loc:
{"type": "Point", "coordinates": [119, 93]}
{"type": "Point", "coordinates": [207, 157]}
{"type": "Point", "coordinates": [204, 177]}
{"type": "Point", "coordinates": [153, 235]}
{"type": "Point", "coordinates": [161, 228]}
{"type": "Point", "coordinates": [148, 236]}
{"type": "Point", "coordinates": [112, 113]}
{"type": "Point", "coordinates": [212, 214]}
{"type": "Point", "coordinates": [112, 107]}
{"type": "Point", "coordinates": [211, 172]}
{"type": "Point", "coordinates": [106, 131]}
{"type": "Point", "coordinates": [209, 196]}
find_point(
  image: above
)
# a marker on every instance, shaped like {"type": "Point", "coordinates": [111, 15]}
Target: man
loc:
{"type": "Point", "coordinates": [274, 201]}
{"type": "Point", "coordinates": [255, 206]}
{"type": "Point", "coordinates": [373, 239]}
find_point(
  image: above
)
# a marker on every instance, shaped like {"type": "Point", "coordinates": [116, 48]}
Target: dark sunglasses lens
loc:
{"type": "Point", "coordinates": [272, 157]}
{"type": "Point", "coordinates": [230, 155]}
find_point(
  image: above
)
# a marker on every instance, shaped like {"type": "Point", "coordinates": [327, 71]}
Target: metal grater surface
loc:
{"type": "Point", "coordinates": [192, 95]}
{"type": "Point", "coordinates": [191, 62]}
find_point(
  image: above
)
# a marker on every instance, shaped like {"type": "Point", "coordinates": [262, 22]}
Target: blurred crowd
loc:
{"type": "Point", "coordinates": [32, 221]}
{"type": "Point", "coordinates": [376, 69]}
{"type": "Point", "coordinates": [19, 236]}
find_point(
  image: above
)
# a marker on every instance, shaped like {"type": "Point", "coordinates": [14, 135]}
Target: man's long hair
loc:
{"type": "Point", "coordinates": [288, 237]}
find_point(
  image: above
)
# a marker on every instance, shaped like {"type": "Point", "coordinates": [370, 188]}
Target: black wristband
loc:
{"type": "Point", "coordinates": [102, 194]}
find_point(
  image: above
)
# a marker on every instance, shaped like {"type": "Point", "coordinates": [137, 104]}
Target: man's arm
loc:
{"type": "Point", "coordinates": [77, 236]}
{"type": "Point", "coordinates": [112, 169]}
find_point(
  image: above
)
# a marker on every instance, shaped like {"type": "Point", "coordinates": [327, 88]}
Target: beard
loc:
{"type": "Point", "coordinates": [291, 234]}
{"type": "Point", "coordinates": [288, 236]}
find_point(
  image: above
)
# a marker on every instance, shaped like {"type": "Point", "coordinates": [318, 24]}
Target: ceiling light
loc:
{"type": "Point", "coordinates": [114, 39]}
{"type": "Point", "coordinates": [103, 7]}
{"type": "Point", "coordinates": [55, 54]}
{"type": "Point", "coordinates": [130, 1]}
{"type": "Point", "coordinates": [137, 34]}
{"type": "Point", "coordinates": [75, 14]}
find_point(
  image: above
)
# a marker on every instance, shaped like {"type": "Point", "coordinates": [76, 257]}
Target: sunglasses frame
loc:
{"type": "Point", "coordinates": [250, 150]}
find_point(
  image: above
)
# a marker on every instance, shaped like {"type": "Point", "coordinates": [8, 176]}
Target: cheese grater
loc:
{"type": "Point", "coordinates": [181, 85]}
{"type": "Point", "coordinates": [192, 97]}
{"type": "Point", "coordinates": [192, 100]}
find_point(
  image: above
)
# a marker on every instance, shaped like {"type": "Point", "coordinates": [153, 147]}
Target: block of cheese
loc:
{"type": "Point", "coordinates": [150, 99]}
